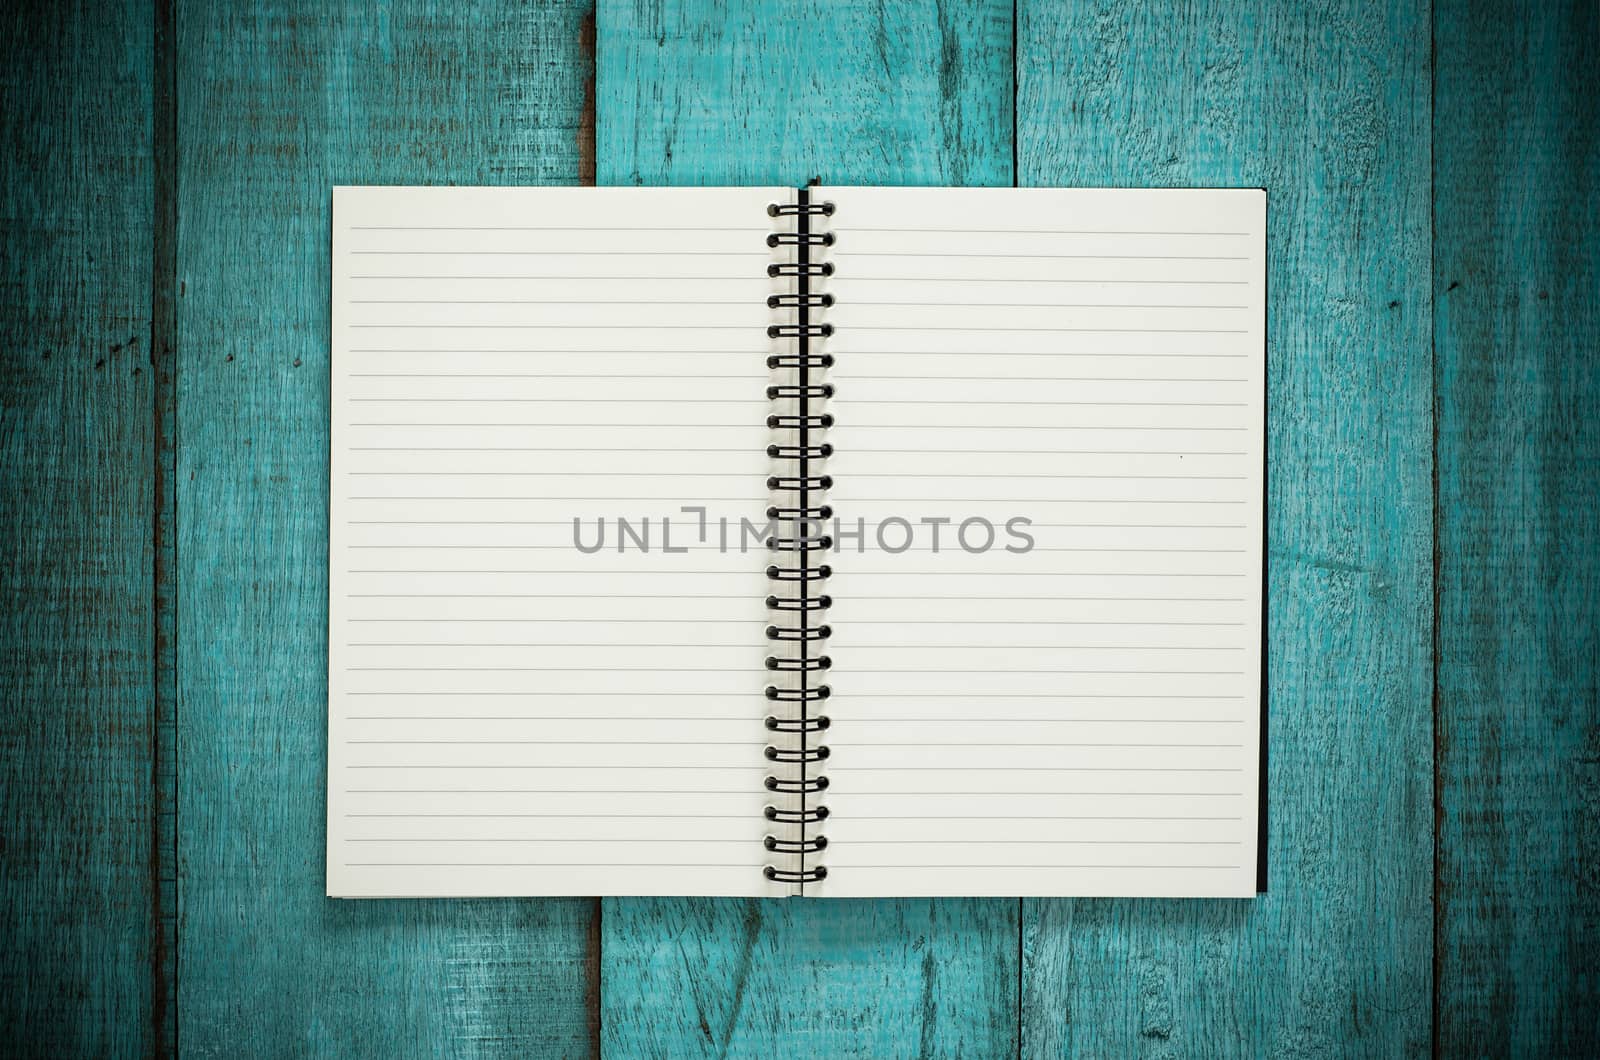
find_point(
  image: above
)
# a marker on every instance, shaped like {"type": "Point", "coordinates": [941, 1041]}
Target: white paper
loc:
{"type": "Point", "coordinates": [1082, 718]}
{"type": "Point", "coordinates": [509, 716]}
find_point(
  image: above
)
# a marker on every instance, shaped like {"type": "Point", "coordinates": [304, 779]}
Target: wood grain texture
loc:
{"type": "Point", "coordinates": [692, 977]}
{"type": "Point", "coordinates": [1327, 106]}
{"type": "Point", "coordinates": [1517, 241]}
{"type": "Point", "coordinates": [278, 101]}
{"type": "Point", "coordinates": [775, 93]}
{"type": "Point", "coordinates": [76, 906]}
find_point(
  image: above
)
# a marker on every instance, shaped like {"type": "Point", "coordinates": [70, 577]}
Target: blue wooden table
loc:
{"type": "Point", "coordinates": [1434, 518]}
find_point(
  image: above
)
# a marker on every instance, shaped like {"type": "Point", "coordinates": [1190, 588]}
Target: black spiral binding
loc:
{"type": "Point", "coordinates": [797, 635]}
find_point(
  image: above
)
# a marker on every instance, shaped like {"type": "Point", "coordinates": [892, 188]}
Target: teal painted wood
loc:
{"type": "Point", "coordinates": [1327, 106]}
{"type": "Point", "coordinates": [1517, 241]}
{"type": "Point", "coordinates": [778, 93]}
{"type": "Point", "coordinates": [797, 977]}
{"type": "Point", "coordinates": [771, 92]}
{"type": "Point", "coordinates": [279, 101]}
{"type": "Point", "coordinates": [76, 459]}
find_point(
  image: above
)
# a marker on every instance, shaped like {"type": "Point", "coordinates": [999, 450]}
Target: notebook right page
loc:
{"type": "Point", "coordinates": [1047, 637]}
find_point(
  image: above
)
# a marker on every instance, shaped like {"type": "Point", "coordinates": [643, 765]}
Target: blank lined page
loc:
{"type": "Point", "coordinates": [1082, 716]}
{"type": "Point", "coordinates": [509, 715]}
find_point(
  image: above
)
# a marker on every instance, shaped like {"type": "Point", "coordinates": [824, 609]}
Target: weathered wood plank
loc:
{"type": "Point", "coordinates": [279, 101]}
{"type": "Point", "coordinates": [778, 93]}
{"type": "Point", "coordinates": [809, 977]}
{"type": "Point", "coordinates": [76, 449]}
{"type": "Point", "coordinates": [1517, 241]}
{"type": "Point", "coordinates": [1327, 105]}
{"type": "Point", "coordinates": [771, 92]}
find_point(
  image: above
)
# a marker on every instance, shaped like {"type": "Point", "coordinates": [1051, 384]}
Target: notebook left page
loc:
{"type": "Point", "coordinates": [516, 372]}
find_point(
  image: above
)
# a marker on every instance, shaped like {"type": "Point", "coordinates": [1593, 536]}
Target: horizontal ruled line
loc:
{"type": "Point", "coordinates": [764, 252]}
{"type": "Point", "coordinates": [550, 301]}
{"type": "Point", "coordinates": [572, 743]}
{"type": "Point", "coordinates": [457, 522]}
{"type": "Point", "coordinates": [518, 548]}
{"type": "Point", "coordinates": [978, 622]}
{"type": "Point", "coordinates": [742, 791]}
{"type": "Point", "coordinates": [947, 256]}
{"type": "Point", "coordinates": [1005, 279]}
{"type": "Point", "coordinates": [996, 647]}
{"type": "Point", "coordinates": [528, 449]}
{"type": "Point", "coordinates": [568, 522]}
{"type": "Point", "coordinates": [992, 328]}
{"type": "Point", "coordinates": [1101, 599]}
{"type": "Point", "coordinates": [926, 670]}
{"type": "Point", "coordinates": [869, 719]}
{"type": "Point", "coordinates": [551, 864]}
{"type": "Point", "coordinates": [589, 425]}
{"type": "Point", "coordinates": [1040, 231]}
{"type": "Point", "coordinates": [758, 743]}
{"type": "Point", "coordinates": [654, 352]}
{"type": "Point", "coordinates": [594, 670]}
{"type": "Point", "coordinates": [988, 866]}
{"type": "Point", "coordinates": [758, 230]}
{"type": "Point", "coordinates": [631, 474]}
{"type": "Point", "coordinates": [652, 817]}
{"type": "Point", "coordinates": [1039, 548]}
{"type": "Point", "coordinates": [672, 277]}
{"type": "Point", "coordinates": [1025, 353]}
{"type": "Point", "coordinates": [1034, 743]}
{"type": "Point", "coordinates": [854, 621]}
{"type": "Point", "coordinates": [1053, 404]}
{"type": "Point", "coordinates": [917, 843]}
{"type": "Point", "coordinates": [859, 719]}
{"type": "Point", "coordinates": [863, 695]}
{"type": "Point", "coordinates": [552, 228]}
{"type": "Point", "coordinates": [1036, 305]}
{"type": "Point", "coordinates": [450, 326]}
{"type": "Point", "coordinates": [761, 499]}
{"type": "Point", "coordinates": [946, 427]}
{"type": "Point", "coordinates": [921, 377]}
{"type": "Point", "coordinates": [546, 791]}
{"type": "Point", "coordinates": [1027, 817]}
{"type": "Point", "coordinates": [550, 375]}
{"type": "Point", "coordinates": [479, 765]}
{"type": "Point", "coordinates": [766, 644]}
{"type": "Point", "coordinates": [756, 400]}
{"type": "Point", "coordinates": [545, 717]}
{"type": "Point", "coordinates": [1059, 476]}
{"type": "Point", "coordinates": [538, 596]}
{"type": "Point", "coordinates": [1031, 794]}
{"type": "Point", "coordinates": [965, 769]}
{"type": "Point", "coordinates": [674, 621]}
{"type": "Point", "coordinates": [1059, 452]}
{"type": "Point", "coordinates": [1034, 843]}
{"type": "Point", "coordinates": [742, 573]}
{"type": "Point", "coordinates": [460, 547]}
{"type": "Point", "coordinates": [1074, 573]}
{"type": "Point", "coordinates": [544, 839]}
{"type": "Point", "coordinates": [1019, 695]}
{"type": "Point", "coordinates": [468, 692]}
{"type": "Point", "coordinates": [448, 546]}
{"type": "Point", "coordinates": [846, 499]}
{"type": "Point", "coordinates": [742, 816]}
{"type": "Point", "coordinates": [752, 645]}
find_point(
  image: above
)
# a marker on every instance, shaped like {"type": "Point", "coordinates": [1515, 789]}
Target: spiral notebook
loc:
{"type": "Point", "coordinates": [770, 541]}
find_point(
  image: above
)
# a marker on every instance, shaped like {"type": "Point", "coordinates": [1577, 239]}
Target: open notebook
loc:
{"type": "Point", "coordinates": [767, 541]}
